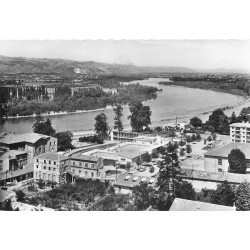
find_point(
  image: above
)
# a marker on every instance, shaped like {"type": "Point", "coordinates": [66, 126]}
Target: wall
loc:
{"type": "Point", "coordinates": [211, 164]}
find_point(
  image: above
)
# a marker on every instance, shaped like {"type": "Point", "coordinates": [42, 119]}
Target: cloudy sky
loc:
{"type": "Point", "coordinates": [196, 54]}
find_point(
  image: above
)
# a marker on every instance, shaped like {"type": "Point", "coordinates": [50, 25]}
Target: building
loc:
{"type": "Point", "coordinates": [189, 205]}
{"type": "Point", "coordinates": [110, 90]}
{"type": "Point", "coordinates": [87, 166]}
{"type": "Point", "coordinates": [51, 92]}
{"type": "Point", "coordinates": [14, 166]}
{"type": "Point", "coordinates": [240, 132]}
{"type": "Point", "coordinates": [216, 159]}
{"type": "Point", "coordinates": [126, 182]}
{"type": "Point", "coordinates": [51, 167]}
{"type": "Point", "coordinates": [32, 143]}
{"type": "Point", "coordinates": [124, 136]}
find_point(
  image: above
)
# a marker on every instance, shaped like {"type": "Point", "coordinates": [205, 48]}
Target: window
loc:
{"type": "Point", "coordinates": [37, 160]}
{"type": "Point", "coordinates": [74, 163]}
{"type": "Point", "coordinates": [219, 169]}
{"type": "Point", "coordinates": [54, 162]}
{"type": "Point", "coordinates": [36, 166]}
{"type": "Point", "coordinates": [219, 161]}
{"type": "Point", "coordinates": [86, 173]}
{"type": "Point", "coordinates": [80, 164]}
{"type": "Point", "coordinates": [86, 165]}
{"type": "Point", "coordinates": [44, 161]}
{"type": "Point", "coordinates": [54, 169]}
{"type": "Point", "coordinates": [80, 172]}
{"type": "Point", "coordinates": [92, 174]}
{"type": "Point", "coordinates": [44, 167]}
{"type": "Point", "coordinates": [92, 165]}
{"type": "Point", "coordinates": [49, 162]}
{"type": "Point", "coordinates": [99, 174]}
{"type": "Point", "coordinates": [49, 168]}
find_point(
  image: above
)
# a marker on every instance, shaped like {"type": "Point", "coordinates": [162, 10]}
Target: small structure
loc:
{"type": "Point", "coordinates": [240, 132]}
{"type": "Point", "coordinates": [216, 159]}
{"type": "Point", "coordinates": [124, 136]}
{"type": "Point", "coordinates": [51, 167]}
{"type": "Point", "coordinates": [189, 205]}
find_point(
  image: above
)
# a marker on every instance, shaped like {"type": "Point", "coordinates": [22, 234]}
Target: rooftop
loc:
{"type": "Point", "coordinates": [26, 137]}
{"type": "Point", "coordinates": [214, 176]}
{"type": "Point", "coordinates": [189, 205]}
{"type": "Point", "coordinates": [224, 150]}
{"type": "Point", "coordinates": [52, 156]}
{"type": "Point", "coordinates": [107, 155]}
{"type": "Point", "coordinates": [132, 150]}
{"type": "Point", "coordinates": [90, 158]}
{"type": "Point", "coordinates": [241, 124]}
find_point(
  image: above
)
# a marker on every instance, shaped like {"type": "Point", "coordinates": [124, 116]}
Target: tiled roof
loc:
{"type": "Point", "coordinates": [26, 137]}
{"type": "Point", "coordinates": [214, 176]}
{"type": "Point", "coordinates": [85, 158]}
{"type": "Point", "coordinates": [189, 205]}
{"type": "Point", "coordinates": [224, 150]}
{"type": "Point", "coordinates": [122, 182]}
{"type": "Point", "coordinates": [52, 156]}
{"type": "Point", "coordinates": [241, 124]}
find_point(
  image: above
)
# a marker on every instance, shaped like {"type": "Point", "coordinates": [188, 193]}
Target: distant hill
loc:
{"type": "Point", "coordinates": [61, 66]}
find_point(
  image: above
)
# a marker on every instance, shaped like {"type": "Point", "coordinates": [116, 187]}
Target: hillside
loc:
{"type": "Point", "coordinates": [61, 66]}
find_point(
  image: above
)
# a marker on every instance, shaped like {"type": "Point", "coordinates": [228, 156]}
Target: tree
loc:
{"type": "Point", "coordinates": [20, 195]}
{"type": "Point", "coordinates": [171, 147]}
{"type": "Point", "coordinates": [184, 190]}
{"type": "Point", "coordinates": [146, 157]}
{"type": "Point", "coordinates": [214, 136]}
{"type": "Point", "coordinates": [242, 197]}
{"type": "Point", "coordinates": [140, 116]}
{"type": "Point", "coordinates": [155, 154]}
{"type": "Point", "coordinates": [101, 125]}
{"type": "Point", "coordinates": [243, 116]}
{"type": "Point", "coordinates": [64, 140]}
{"type": "Point", "coordinates": [196, 122]}
{"type": "Point", "coordinates": [233, 118]}
{"type": "Point", "coordinates": [118, 114]}
{"type": "Point", "coordinates": [143, 196]}
{"type": "Point", "coordinates": [237, 161]}
{"type": "Point", "coordinates": [223, 195]}
{"type": "Point", "coordinates": [138, 161]}
{"type": "Point", "coordinates": [182, 151]}
{"type": "Point", "coordinates": [210, 138]}
{"type": "Point", "coordinates": [128, 166]}
{"type": "Point", "coordinates": [182, 143]}
{"type": "Point", "coordinates": [188, 149]}
{"type": "Point", "coordinates": [151, 170]}
{"type": "Point", "coordinates": [162, 150]}
{"type": "Point", "coordinates": [43, 127]}
{"type": "Point", "coordinates": [219, 121]}
{"type": "Point", "coordinates": [193, 137]}
{"type": "Point", "coordinates": [198, 136]}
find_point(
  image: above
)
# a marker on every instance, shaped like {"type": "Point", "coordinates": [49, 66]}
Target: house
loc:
{"type": "Point", "coordinates": [14, 166]}
{"type": "Point", "coordinates": [51, 167]}
{"type": "Point", "coordinates": [87, 166]}
{"type": "Point", "coordinates": [240, 132]}
{"type": "Point", "coordinates": [189, 205]}
{"type": "Point", "coordinates": [216, 159]}
{"type": "Point", "coordinates": [126, 136]}
{"type": "Point", "coordinates": [32, 143]}
{"type": "Point", "coordinates": [126, 182]}
{"type": "Point", "coordinates": [110, 90]}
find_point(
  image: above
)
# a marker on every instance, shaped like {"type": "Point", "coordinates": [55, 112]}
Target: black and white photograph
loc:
{"type": "Point", "coordinates": [124, 124]}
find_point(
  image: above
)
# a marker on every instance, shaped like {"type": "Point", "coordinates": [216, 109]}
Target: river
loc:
{"type": "Point", "coordinates": [171, 102]}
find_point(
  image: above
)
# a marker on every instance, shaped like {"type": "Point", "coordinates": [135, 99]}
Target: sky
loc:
{"type": "Point", "coordinates": [195, 54]}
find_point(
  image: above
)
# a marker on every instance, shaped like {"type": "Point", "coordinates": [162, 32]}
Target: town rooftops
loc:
{"type": "Point", "coordinates": [89, 158]}
{"type": "Point", "coordinates": [13, 153]}
{"type": "Point", "coordinates": [131, 151]}
{"type": "Point", "coordinates": [218, 177]}
{"type": "Point", "coordinates": [189, 205]}
{"type": "Point", "coordinates": [106, 155]}
{"type": "Point", "coordinates": [224, 150]}
{"type": "Point", "coordinates": [52, 156]}
{"type": "Point", "coordinates": [241, 124]}
{"type": "Point", "coordinates": [129, 180]}
{"type": "Point", "coordinates": [26, 137]}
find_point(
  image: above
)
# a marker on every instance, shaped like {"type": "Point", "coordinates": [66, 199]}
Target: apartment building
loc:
{"type": "Point", "coordinates": [51, 167]}
{"type": "Point", "coordinates": [87, 166]}
{"type": "Point", "coordinates": [240, 132]}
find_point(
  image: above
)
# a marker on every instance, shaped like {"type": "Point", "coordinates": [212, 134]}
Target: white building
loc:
{"type": "Point", "coordinates": [240, 132]}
